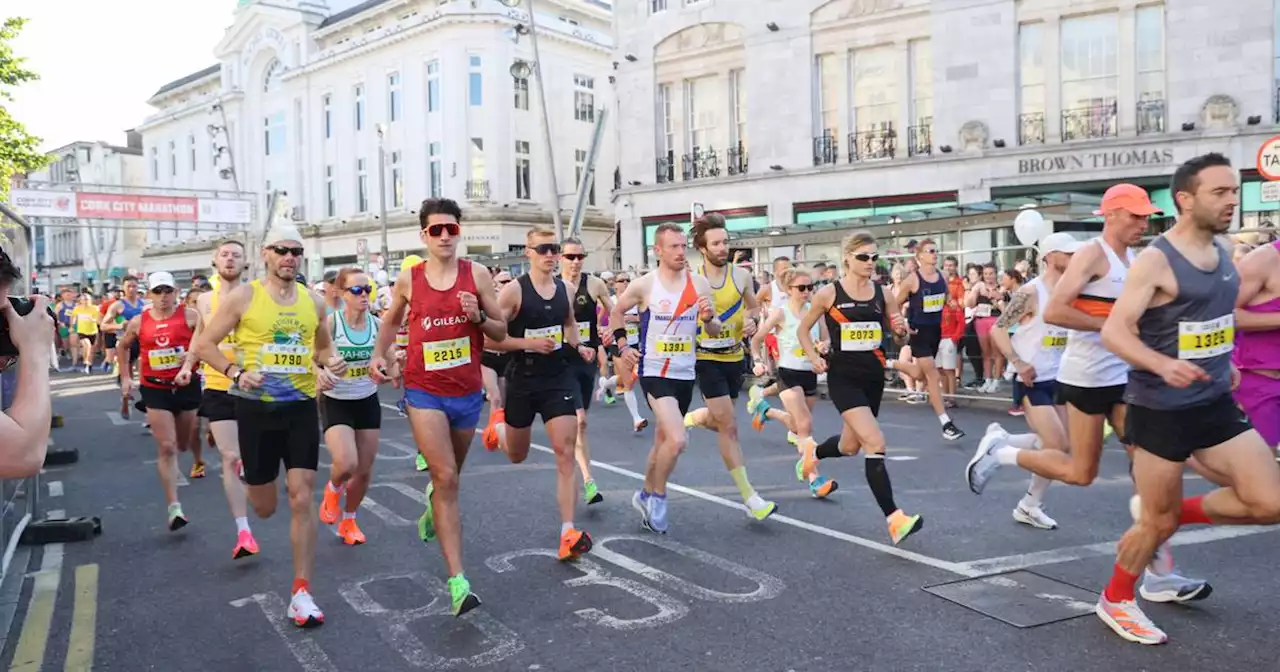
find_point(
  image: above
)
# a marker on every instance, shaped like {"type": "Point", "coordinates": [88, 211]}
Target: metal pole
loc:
{"type": "Point", "coordinates": [231, 153]}
{"type": "Point", "coordinates": [382, 193]}
{"type": "Point", "coordinates": [554, 185]}
{"type": "Point", "coordinates": [588, 173]}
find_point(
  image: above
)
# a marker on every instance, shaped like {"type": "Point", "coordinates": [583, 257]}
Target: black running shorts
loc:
{"type": "Point", "coordinates": [719, 379]}
{"type": "Point", "coordinates": [173, 399]}
{"type": "Point", "coordinates": [848, 393]}
{"type": "Point", "coordinates": [924, 343]}
{"type": "Point", "coordinates": [1177, 434]}
{"type": "Point", "coordinates": [658, 388]}
{"type": "Point", "coordinates": [272, 432]}
{"type": "Point", "coordinates": [528, 396]}
{"type": "Point", "coordinates": [354, 413]}
{"type": "Point", "coordinates": [1091, 400]}
{"type": "Point", "coordinates": [217, 406]}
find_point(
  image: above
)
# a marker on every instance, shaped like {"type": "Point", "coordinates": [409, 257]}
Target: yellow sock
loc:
{"type": "Point", "coordinates": [739, 476]}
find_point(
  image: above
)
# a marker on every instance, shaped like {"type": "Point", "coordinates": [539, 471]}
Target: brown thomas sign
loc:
{"type": "Point", "coordinates": [1116, 158]}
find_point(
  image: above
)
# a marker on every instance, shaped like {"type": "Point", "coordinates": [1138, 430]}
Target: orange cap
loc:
{"type": "Point", "coordinates": [1128, 197]}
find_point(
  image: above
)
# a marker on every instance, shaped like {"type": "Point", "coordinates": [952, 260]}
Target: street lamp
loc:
{"type": "Point", "coordinates": [522, 69]}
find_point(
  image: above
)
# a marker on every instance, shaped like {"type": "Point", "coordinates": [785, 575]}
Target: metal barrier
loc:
{"type": "Point", "coordinates": [20, 497]}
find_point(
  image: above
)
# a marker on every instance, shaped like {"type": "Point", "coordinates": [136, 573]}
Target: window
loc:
{"type": "Point", "coordinates": [397, 181]}
{"type": "Point", "coordinates": [1149, 59]}
{"type": "Point", "coordinates": [477, 159]}
{"type": "Point", "coordinates": [359, 108]}
{"type": "Point", "coordinates": [522, 92]}
{"type": "Point", "coordinates": [362, 186]}
{"type": "Point", "coordinates": [700, 113]}
{"type": "Point", "coordinates": [327, 104]}
{"type": "Point", "coordinates": [737, 108]}
{"type": "Point", "coordinates": [666, 133]}
{"type": "Point", "coordinates": [522, 170]}
{"type": "Point", "coordinates": [921, 76]}
{"type": "Point", "coordinates": [393, 96]}
{"type": "Point", "coordinates": [271, 76]}
{"type": "Point", "coordinates": [580, 166]}
{"type": "Point", "coordinates": [1089, 63]}
{"type": "Point", "coordinates": [475, 83]}
{"type": "Point", "coordinates": [435, 175]}
{"type": "Point", "coordinates": [584, 98]}
{"type": "Point", "coordinates": [273, 134]}
{"type": "Point", "coordinates": [173, 158]}
{"type": "Point", "coordinates": [191, 147]}
{"type": "Point", "coordinates": [874, 89]}
{"type": "Point", "coordinates": [330, 193]}
{"type": "Point", "coordinates": [828, 107]}
{"type": "Point", "coordinates": [433, 86]}
{"type": "Point", "coordinates": [1031, 68]}
{"type": "Point", "coordinates": [656, 6]}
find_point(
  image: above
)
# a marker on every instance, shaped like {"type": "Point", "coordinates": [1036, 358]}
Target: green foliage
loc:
{"type": "Point", "coordinates": [19, 150]}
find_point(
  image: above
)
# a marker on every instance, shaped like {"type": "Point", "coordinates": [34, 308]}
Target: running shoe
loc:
{"type": "Point", "coordinates": [689, 422]}
{"type": "Point", "coordinates": [808, 459]}
{"type": "Point", "coordinates": [983, 465]}
{"type": "Point", "coordinates": [197, 470]}
{"type": "Point", "coordinates": [177, 521]}
{"type": "Point", "coordinates": [1035, 517]}
{"type": "Point", "coordinates": [460, 595]}
{"type": "Point", "coordinates": [427, 522]}
{"type": "Point", "coordinates": [303, 610]}
{"type": "Point", "coordinates": [124, 407]}
{"type": "Point", "coordinates": [246, 545]}
{"type": "Point", "coordinates": [949, 431]}
{"type": "Point", "coordinates": [421, 463]}
{"type": "Point", "coordinates": [641, 425]}
{"type": "Point", "coordinates": [793, 439]}
{"type": "Point", "coordinates": [490, 435]}
{"type": "Point", "coordinates": [1128, 621]}
{"type": "Point", "coordinates": [400, 408]}
{"type": "Point", "coordinates": [591, 494]}
{"type": "Point", "coordinates": [350, 532]}
{"type": "Point", "coordinates": [755, 395]}
{"type": "Point", "coordinates": [821, 487]}
{"type": "Point", "coordinates": [640, 502]}
{"type": "Point", "coordinates": [1160, 581]}
{"type": "Point", "coordinates": [574, 543]}
{"type": "Point", "coordinates": [658, 514]}
{"type": "Point", "coordinates": [760, 416]}
{"type": "Point", "coordinates": [902, 526]}
{"type": "Point", "coordinates": [329, 505]}
{"type": "Point", "coordinates": [763, 508]}
{"type": "Point", "coordinates": [610, 399]}
{"type": "Point", "coordinates": [1016, 411]}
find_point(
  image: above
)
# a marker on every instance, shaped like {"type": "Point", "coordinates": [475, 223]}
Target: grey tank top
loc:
{"type": "Point", "coordinates": [1198, 326]}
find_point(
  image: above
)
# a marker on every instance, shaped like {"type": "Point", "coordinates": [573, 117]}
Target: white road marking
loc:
{"type": "Point", "coordinates": [767, 587]}
{"type": "Point", "coordinates": [945, 565]}
{"type": "Point", "coordinates": [302, 645]}
{"type": "Point", "coordinates": [55, 488]}
{"type": "Point", "coordinates": [118, 421]}
{"type": "Point", "coordinates": [56, 514]}
{"type": "Point", "coordinates": [78, 391]}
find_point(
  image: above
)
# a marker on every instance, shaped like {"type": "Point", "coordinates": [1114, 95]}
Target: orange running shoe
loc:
{"type": "Point", "coordinates": [329, 506]}
{"type": "Point", "coordinates": [573, 544]}
{"type": "Point", "coordinates": [246, 545]}
{"type": "Point", "coordinates": [350, 532]}
{"type": "Point", "coordinates": [197, 470]}
{"type": "Point", "coordinates": [490, 435]}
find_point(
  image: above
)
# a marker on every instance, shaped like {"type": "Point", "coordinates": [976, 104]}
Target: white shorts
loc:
{"type": "Point", "coordinates": [946, 357]}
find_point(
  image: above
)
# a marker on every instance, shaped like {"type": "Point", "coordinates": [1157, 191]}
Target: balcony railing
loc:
{"type": "Point", "coordinates": [700, 164]}
{"type": "Point", "coordinates": [477, 190]}
{"type": "Point", "coordinates": [872, 144]}
{"type": "Point", "coordinates": [666, 168]}
{"type": "Point", "coordinates": [1150, 116]}
{"type": "Point", "coordinates": [617, 179]}
{"type": "Point", "coordinates": [920, 137]}
{"type": "Point", "coordinates": [825, 149]}
{"type": "Point", "coordinates": [1084, 123]}
{"type": "Point", "coordinates": [1031, 128]}
{"type": "Point", "coordinates": [736, 159]}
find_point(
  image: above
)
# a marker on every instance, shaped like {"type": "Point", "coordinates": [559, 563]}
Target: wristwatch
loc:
{"type": "Point", "coordinates": [235, 380]}
{"type": "Point", "coordinates": [483, 317]}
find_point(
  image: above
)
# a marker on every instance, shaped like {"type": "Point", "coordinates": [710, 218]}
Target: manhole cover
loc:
{"type": "Point", "coordinates": [1022, 599]}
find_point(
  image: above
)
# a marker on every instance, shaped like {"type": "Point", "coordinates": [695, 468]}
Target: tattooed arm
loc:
{"type": "Point", "coordinates": [1023, 304]}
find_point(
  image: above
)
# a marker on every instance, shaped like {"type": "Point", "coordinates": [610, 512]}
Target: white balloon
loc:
{"type": "Point", "coordinates": [1030, 226]}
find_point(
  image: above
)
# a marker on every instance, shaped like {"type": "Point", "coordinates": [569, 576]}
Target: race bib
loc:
{"type": "Point", "coordinates": [798, 352]}
{"type": "Point", "coordinates": [982, 310]}
{"type": "Point", "coordinates": [933, 303]}
{"type": "Point", "coordinates": [1054, 339]}
{"type": "Point", "coordinates": [860, 336]}
{"type": "Point", "coordinates": [726, 339]}
{"type": "Point", "coordinates": [450, 354]}
{"type": "Point", "coordinates": [670, 345]}
{"type": "Point", "coordinates": [633, 333]}
{"type": "Point", "coordinates": [554, 333]}
{"type": "Point", "coordinates": [357, 370]}
{"type": "Point", "coordinates": [584, 332]}
{"type": "Point", "coordinates": [280, 358]}
{"type": "Point", "coordinates": [1202, 340]}
{"type": "Point", "coordinates": [402, 339]}
{"type": "Point", "coordinates": [166, 359]}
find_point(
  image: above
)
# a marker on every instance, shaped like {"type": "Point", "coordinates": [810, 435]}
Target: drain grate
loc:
{"type": "Point", "coordinates": [1020, 598]}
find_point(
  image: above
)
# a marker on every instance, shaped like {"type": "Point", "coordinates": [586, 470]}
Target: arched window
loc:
{"type": "Point", "coordinates": [271, 79]}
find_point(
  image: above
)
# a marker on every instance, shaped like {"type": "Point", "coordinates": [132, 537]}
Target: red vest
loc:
{"type": "Point", "coordinates": [164, 345]}
{"type": "Point", "coordinates": [444, 351]}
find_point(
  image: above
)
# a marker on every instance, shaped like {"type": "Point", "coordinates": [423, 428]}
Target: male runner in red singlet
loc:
{"type": "Point", "coordinates": [452, 306]}
{"type": "Point", "coordinates": [1257, 353]}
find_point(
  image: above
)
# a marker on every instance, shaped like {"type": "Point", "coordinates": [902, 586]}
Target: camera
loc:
{"type": "Point", "coordinates": [22, 306]}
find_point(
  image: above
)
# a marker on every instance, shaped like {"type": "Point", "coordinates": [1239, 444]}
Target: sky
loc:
{"type": "Point", "coordinates": [100, 61]}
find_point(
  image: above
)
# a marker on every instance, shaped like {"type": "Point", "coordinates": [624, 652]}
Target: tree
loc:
{"type": "Point", "coordinates": [19, 150]}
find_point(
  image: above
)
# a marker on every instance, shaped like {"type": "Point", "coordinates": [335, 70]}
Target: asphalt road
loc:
{"type": "Point", "coordinates": [817, 587]}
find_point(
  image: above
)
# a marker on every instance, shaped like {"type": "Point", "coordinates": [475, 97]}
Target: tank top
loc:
{"type": "Point", "coordinates": [985, 307]}
{"type": "Point", "coordinates": [355, 345]}
{"type": "Point", "coordinates": [131, 310]}
{"type": "Point", "coordinates": [541, 318]}
{"type": "Point", "coordinates": [279, 342]}
{"type": "Point", "coordinates": [1037, 343]}
{"type": "Point", "coordinates": [728, 304]}
{"type": "Point", "coordinates": [1086, 362]}
{"type": "Point", "coordinates": [857, 332]}
{"type": "Point", "coordinates": [163, 345]}
{"type": "Point", "coordinates": [1259, 350]}
{"type": "Point", "coordinates": [1198, 325]}
{"type": "Point", "coordinates": [924, 307]}
{"type": "Point", "coordinates": [668, 326]}
{"type": "Point", "coordinates": [584, 313]}
{"type": "Point", "coordinates": [213, 379]}
{"type": "Point", "coordinates": [633, 328]}
{"type": "Point", "coordinates": [443, 354]}
{"type": "Point", "coordinates": [790, 354]}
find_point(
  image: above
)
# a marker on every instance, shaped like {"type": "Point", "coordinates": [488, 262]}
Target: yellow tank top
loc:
{"type": "Point", "coordinates": [730, 308]}
{"type": "Point", "coordinates": [278, 342]}
{"type": "Point", "coordinates": [213, 379]}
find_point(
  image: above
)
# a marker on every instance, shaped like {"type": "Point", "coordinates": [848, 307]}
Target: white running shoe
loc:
{"type": "Point", "coordinates": [303, 610]}
{"type": "Point", "coordinates": [1035, 517]}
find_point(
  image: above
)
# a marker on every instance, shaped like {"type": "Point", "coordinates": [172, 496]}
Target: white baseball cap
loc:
{"type": "Point", "coordinates": [279, 234]}
{"type": "Point", "coordinates": [1059, 242]}
{"type": "Point", "coordinates": [161, 279]}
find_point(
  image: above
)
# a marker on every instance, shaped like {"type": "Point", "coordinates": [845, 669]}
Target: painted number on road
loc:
{"type": "Point", "coordinates": [767, 587]}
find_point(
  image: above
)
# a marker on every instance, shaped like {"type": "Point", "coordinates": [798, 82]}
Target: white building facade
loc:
{"type": "Point", "coordinates": [802, 120]}
{"type": "Point", "coordinates": [308, 95]}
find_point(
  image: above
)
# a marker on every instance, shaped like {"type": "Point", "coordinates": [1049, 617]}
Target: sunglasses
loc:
{"type": "Point", "coordinates": [867, 257]}
{"type": "Point", "coordinates": [437, 230]}
{"type": "Point", "coordinates": [930, 251]}
{"type": "Point", "coordinates": [282, 250]}
{"type": "Point", "coordinates": [622, 281]}
{"type": "Point", "coordinates": [575, 257]}
{"type": "Point", "coordinates": [357, 290]}
{"type": "Point", "coordinates": [547, 248]}
{"type": "Point", "coordinates": [803, 288]}
{"type": "Point", "coordinates": [162, 290]}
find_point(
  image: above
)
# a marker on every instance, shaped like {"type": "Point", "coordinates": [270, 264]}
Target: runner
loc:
{"type": "Point", "coordinates": [1091, 379]}
{"type": "Point", "coordinates": [925, 292]}
{"type": "Point", "coordinates": [282, 350]}
{"type": "Point", "coordinates": [450, 308]}
{"type": "Point", "coordinates": [541, 378]}
{"type": "Point", "coordinates": [493, 367]}
{"type": "Point", "coordinates": [624, 377]}
{"type": "Point", "coordinates": [719, 366]}
{"type": "Point", "coordinates": [1257, 351]}
{"type": "Point", "coordinates": [130, 305]}
{"type": "Point", "coordinates": [672, 302]}
{"type": "Point", "coordinates": [171, 395]}
{"type": "Point", "coordinates": [857, 310]}
{"type": "Point", "coordinates": [1035, 350]}
{"type": "Point", "coordinates": [402, 344]}
{"type": "Point", "coordinates": [85, 318]}
{"type": "Point", "coordinates": [216, 405]}
{"type": "Point", "coordinates": [1173, 322]}
{"type": "Point", "coordinates": [350, 412]}
{"type": "Point", "coordinates": [589, 295]}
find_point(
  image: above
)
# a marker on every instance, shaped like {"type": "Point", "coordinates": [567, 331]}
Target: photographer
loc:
{"type": "Point", "coordinates": [24, 426]}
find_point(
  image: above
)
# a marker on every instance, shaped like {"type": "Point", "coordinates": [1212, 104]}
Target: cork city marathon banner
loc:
{"type": "Point", "coordinates": [137, 207]}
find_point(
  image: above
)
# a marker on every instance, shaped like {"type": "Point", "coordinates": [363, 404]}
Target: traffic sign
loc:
{"type": "Point", "coordinates": [1269, 159]}
{"type": "Point", "coordinates": [1270, 192]}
